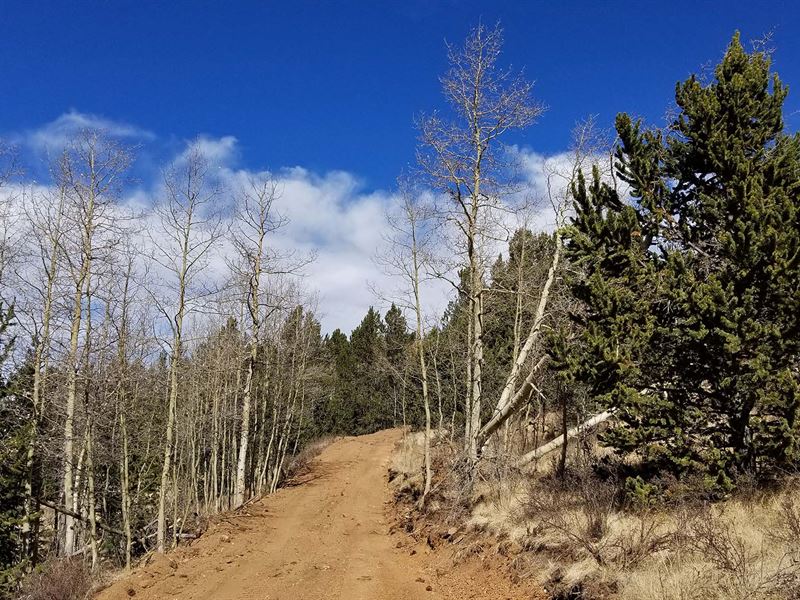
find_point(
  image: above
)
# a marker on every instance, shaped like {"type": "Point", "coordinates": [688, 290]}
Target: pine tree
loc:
{"type": "Point", "coordinates": [15, 416]}
{"type": "Point", "coordinates": [336, 413]}
{"type": "Point", "coordinates": [398, 338]}
{"type": "Point", "coordinates": [690, 289]}
{"type": "Point", "coordinates": [368, 346]}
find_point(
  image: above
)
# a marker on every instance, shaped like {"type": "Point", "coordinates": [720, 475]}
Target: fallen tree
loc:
{"type": "Point", "coordinates": [80, 517]}
{"type": "Point", "coordinates": [553, 444]}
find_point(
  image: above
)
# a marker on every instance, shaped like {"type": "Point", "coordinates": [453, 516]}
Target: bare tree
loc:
{"type": "Point", "coordinates": [408, 258]}
{"type": "Point", "coordinates": [45, 215]}
{"type": "Point", "coordinates": [190, 230]}
{"type": "Point", "coordinates": [124, 296]}
{"type": "Point", "coordinates": [258, 260]}
{"type": "Point", "coordinates": [90, 171]}
{"type": "Point", "coordinates": [256, 218]}
{"type": "Point", "coordinates": [465, 159]}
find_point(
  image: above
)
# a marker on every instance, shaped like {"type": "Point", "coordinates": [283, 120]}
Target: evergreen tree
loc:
{"type": "Point", "coordinates": [15, 417]}
{"type": "Point", "coordinates": [401, 382]}
{"type": "Point", "coordinates": [367, 372]}
{"type": "Point", "coordinates": [368, 347]}
{"type": "Point", "coordinates": [336, 414]}
{"type": "Point", "coordinates": [398, 338]}
{"type": "Point", "coordinates": [690, 291]}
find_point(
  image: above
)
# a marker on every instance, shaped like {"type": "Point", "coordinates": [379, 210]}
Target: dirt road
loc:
{"type": "Point", "coordinates": [325, 539]}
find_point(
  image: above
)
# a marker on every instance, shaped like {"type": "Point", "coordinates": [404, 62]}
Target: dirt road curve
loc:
{"type": "Point", "coordinates": [325, 539]}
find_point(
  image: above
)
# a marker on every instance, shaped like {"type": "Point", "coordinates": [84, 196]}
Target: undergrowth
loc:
{"type": "Point", "coordinates": [584, 535]}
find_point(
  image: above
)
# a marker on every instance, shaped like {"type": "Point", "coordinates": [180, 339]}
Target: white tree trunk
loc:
{"type": "Point", "coordinates": [507, 404]}
{"type": "Point", "coordinates": [244, 439]}
{"type": "Point", "coordinates": [544, 449]}
{"type": "Point", "coordinates": [536, 328]}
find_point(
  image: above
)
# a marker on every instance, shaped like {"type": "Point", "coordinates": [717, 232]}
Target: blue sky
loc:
{"type": "Point", "coordinates": [335, 85]}
{"type": "Point", "coordinates": [325, 93]}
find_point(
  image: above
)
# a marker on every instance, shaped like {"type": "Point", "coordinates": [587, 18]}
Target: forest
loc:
{"type": "Point", "coordinates": [163, 363]}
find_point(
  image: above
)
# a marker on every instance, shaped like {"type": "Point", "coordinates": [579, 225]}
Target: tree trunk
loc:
{"type": "Point", "coordinates": [125, 484]}
{"type": "Point", "coordinates": [40, 362]}
{"type": "Point", "coordinates": [507, 404]}
{"type": "Point", "coordinates": [539, 452]}
{"type": "Point", "coordinates": [562, 463]}
{"type": "Point", "coordinates": [244, 440]}
{"type": "Point", "coordinates": [170, 432]}
{"type": "Point", "coordinates": [90, 493]}
{"type": "Point", "coordinates": [69, 426]}
{"type": "Point", "coordinates": [438, 386]}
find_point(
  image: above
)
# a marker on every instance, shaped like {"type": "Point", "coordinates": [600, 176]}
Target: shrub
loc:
{"type": "Point", "coordinates": [67, 579]}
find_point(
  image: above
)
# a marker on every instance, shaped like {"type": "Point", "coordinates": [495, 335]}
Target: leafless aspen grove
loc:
{"type": "Point", "coordinates": [157, 394]}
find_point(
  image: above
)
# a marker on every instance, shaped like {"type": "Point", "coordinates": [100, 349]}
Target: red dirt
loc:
{"type": "Point", "coordinates": [326, 538]}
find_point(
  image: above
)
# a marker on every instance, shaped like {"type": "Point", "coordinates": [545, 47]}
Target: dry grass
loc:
{"type": "Point", "coordinates": [67, 579]}
{"type": "Point", "coordinates": [738, 550]}
{"type": "Point", "coordinates": [580, 540]}
{"type": "Point", "coordinates": [299, 464]}
{"type": "Point", "coordinates": [406, 466]}
{"type": "Point", "coordinates": [741, 549]}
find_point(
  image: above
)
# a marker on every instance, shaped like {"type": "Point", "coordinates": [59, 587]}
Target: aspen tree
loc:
{"type": "Point", "coordinates": [190, 231]}
{"type": "Point", "coordinates": [90, 170]}
{"type": "Point", "coordinates": [408, 258]}
{"type": "Point", "coordinates": [45, 217]}
{"type": "Point", "coordinates": [256, 218]}
{"type": "Point", "coordinates": [125, 300]}
{"type": "Point", "coordinates": [463, 157]}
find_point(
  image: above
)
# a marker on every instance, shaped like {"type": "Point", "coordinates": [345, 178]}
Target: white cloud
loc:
{"type": "Point", "coordinates": [548, 176]}
{"type": "Point", "coordinates": [53, 136]}
{"type": "Point", "coordinates": [331, 214]}
{"type": "Point", "coordinates": [217, 151]}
